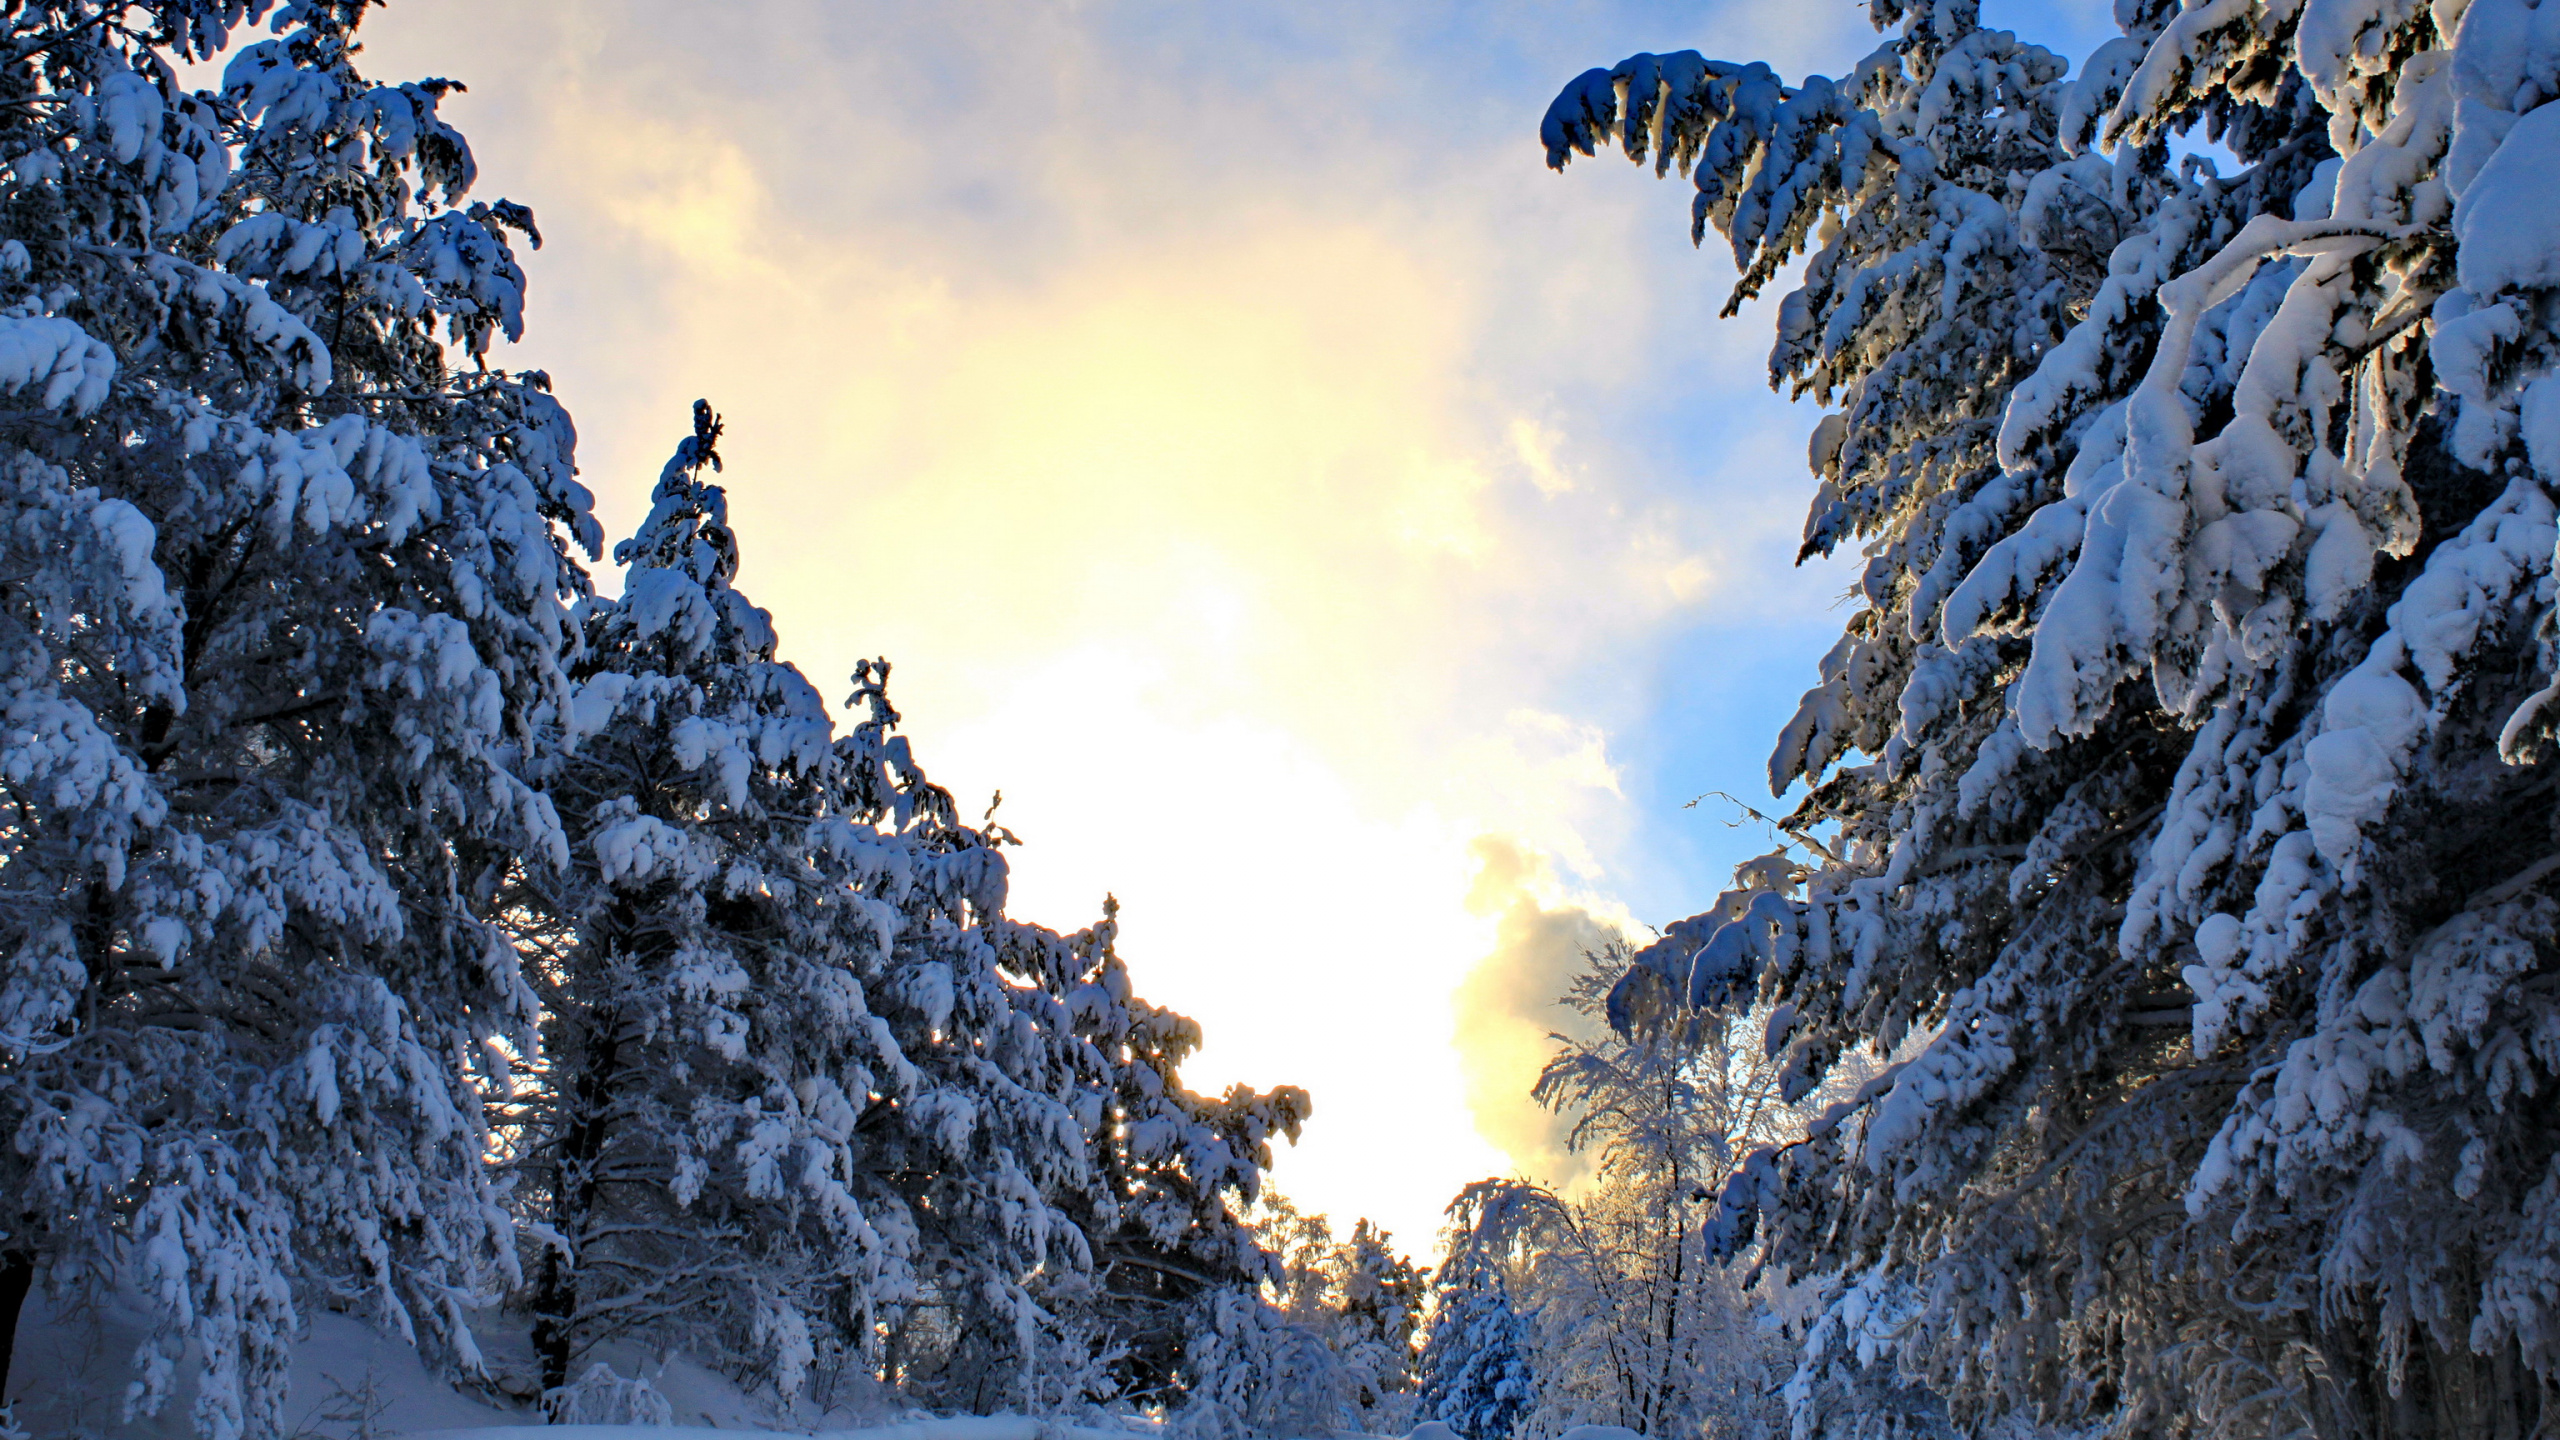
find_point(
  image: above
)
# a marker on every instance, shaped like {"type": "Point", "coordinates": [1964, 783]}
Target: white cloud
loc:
{"type": "Point", "coordinates": [1510, 1003]}
{"type": "Point", "coordinates": [1149, 383]}
{"type": "Point", "coordinates": [1536, 446]}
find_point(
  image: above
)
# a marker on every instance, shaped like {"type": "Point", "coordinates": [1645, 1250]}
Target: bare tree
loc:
{"type": "Point", "coordinates": [1632, 1321]}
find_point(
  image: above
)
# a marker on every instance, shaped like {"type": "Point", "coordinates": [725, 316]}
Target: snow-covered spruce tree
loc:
{"type": "Point", "coordinates": [1382, 1302]}
{"type": "Point", "coordinates": [1476, 1376]}
{"type": "Point", "coordinates": [1358, 1295]}
{"type": "Point", "coordinates": [809, 1099]}
{"type": "Point", "coordinates": [284, 603]}
{"type": "Point", "coordinates": [711, 968]}
{"type": "Point", "coordinates": [1174, 1296]}
{"type": "Point", "coordinates": [2175, 789]}
{"type": "Point", "coordinates": [982, 1149]}
{"type": "Point", "coordinates": [1248, 1371]}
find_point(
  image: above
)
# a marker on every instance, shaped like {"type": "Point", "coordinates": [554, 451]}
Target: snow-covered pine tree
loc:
{"type": "Point", "coordinates": [980, 1150]}
{"type": "Point", "coordinates": [808, 1096]}
{"type": "Point", "coordinates": [289, 602]}
{"type": "Point", "coordinates": [1248, 1373]}
{"type": "Point", "coordinates": [1476, 1376]}
{"type": "Point", "coordinates": [1175, 1293]}
{"type": "Point", "coordinates": [2190, 859]}
{"type": "Point", "coordinates": [712, 968]}
{"type": "Point", "coordinates": [285, 602]}
{"type": "Point", "coordinates": [1382, 1303]}
{"type": "Point", "coordinates": [1358, 1295]}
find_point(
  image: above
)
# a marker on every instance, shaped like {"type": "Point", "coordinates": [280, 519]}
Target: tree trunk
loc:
{"type": "Point", "coordinates": [555, 1315]}
{"type": "Point", "coordinates": [1675, 1236]}
{"type": "Point", "coordinates": [573, 1202]}
{"type": "Point", "coordinates": [17, 1276]}
{"type": "Point", "coordinates": [1668, 1375]}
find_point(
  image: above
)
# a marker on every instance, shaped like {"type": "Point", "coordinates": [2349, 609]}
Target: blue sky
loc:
{"type": "Point", "coordinates": [1338, 536]}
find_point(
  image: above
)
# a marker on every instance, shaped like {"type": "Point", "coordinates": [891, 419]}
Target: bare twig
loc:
{"type": "Point", "coordinates": [1782, 827]}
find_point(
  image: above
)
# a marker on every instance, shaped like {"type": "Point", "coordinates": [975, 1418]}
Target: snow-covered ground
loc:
{"type": "Point", "coordinates": [958, 1428]}
{"type": "Point", "coordinates": [351, 1382]}
{"type": "Point", "coordinates": [974, 1427]}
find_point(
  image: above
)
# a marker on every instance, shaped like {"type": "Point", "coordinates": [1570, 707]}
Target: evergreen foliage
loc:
{"type": "Point", "coordinates": [809, 1101]}
{"type": "Point", "coordinates": [395, 926]}
{"type": "Point", "coordinates": [1382, 1294]}
{"type": "Point", "coordinates": [1357, 1297]}
{"type": "Point", "coordinates": [749, 1132]}
{"type": "Point", "coordinates": [1170, 1173]}
{"type": "Point", "coordinates": [287, 605]}
{"type": "Point", "coordinates": [1476, 1376]}
{"type": "Point", "coordinates": [2182, 842]}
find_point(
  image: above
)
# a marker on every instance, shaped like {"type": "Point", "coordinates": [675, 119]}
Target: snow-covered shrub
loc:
{"type": "Point", "coordinates": [2174, 790]}
{"type": "Point", "coordinates": [602, 1396]}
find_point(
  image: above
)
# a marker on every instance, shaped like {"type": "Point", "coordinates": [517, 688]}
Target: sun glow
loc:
{"type": "Point", "coordinates": [1183, 490]}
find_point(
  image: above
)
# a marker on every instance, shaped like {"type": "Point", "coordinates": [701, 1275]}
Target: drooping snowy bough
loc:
{"type": "Point", "coordinates": [2188, 853]}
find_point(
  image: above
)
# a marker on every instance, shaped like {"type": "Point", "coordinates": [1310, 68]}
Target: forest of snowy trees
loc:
{"type": "Point", "coordinates": [2148, 1027]}
{"type": "Point", "coordinates": [397, 927]}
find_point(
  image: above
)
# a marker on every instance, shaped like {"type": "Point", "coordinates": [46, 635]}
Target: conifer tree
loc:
{"type": "Point", "coordinates": [286, 602]}
{"type": "Point", "coordinates": [707, 965]}
{"type": "Point", "coordinates": [808, 1097]}
{"type": "Point", "coordinates": [1476, 1373]}
{"type": "Point", "coordinates": [1169, 1172]}
{"type": "Point", "coordinates": [2180, 839]}
{"type": "Point", "coordinates": [1358, 1296]}
{"type": "Point", "coordinates": [298, 658]}
{"type": "Point", "coordinates": [1382, 1302]}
